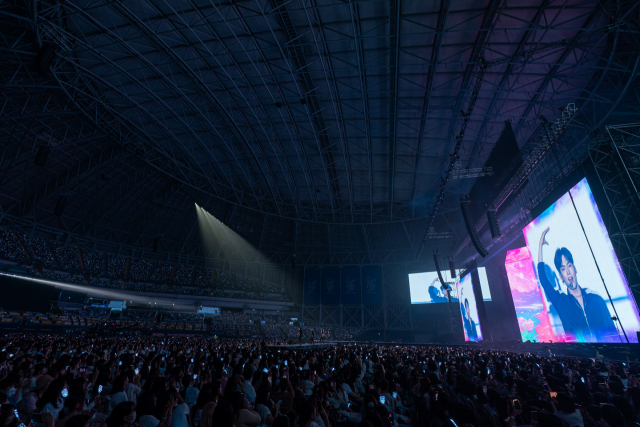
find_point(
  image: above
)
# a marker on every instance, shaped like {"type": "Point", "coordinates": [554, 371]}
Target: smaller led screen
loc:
{"type": "Point", "coordinates": [117, 305]}
{"type": "Point", "coordinates": [425, 288]}
{"type": "Point", "coordinates": [484, 284]}
{"type": "Point", "coordinates": [210, 310]}
{"type": "Point", "coordinates": [468, 309]}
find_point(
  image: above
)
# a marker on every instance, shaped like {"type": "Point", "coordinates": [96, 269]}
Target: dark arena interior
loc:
{"type": "Point", "coordinates": [319, 213]}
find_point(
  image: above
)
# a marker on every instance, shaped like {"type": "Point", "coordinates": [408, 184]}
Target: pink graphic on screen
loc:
{"type": "Point", "coordinates": [531, 309]}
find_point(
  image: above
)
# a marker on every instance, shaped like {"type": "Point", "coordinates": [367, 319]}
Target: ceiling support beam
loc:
{"type": "Point", "coordinates": [593, 16]}
{"type": "Point", "coordinates": [435, 50]}
{"type": "Point", "coordinates": [362, 79]}
{"type": "Point", "coordinates": [395, 9]}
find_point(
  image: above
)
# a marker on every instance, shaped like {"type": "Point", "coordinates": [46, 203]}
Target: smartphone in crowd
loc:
{"type": "Point", "coordinates": [383, 400]}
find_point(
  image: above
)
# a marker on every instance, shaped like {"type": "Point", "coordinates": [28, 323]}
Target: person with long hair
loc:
{"type": "Point", "coordinates": [122, 415]}
{"type": "Point", "coordinates": [224, 414]}
{"type": "Point", "coordinates": [206, 420]}
{"type": "Point", "coordinates": [30, 401]}
{"type": "Point", "coordinates": [7, 416]}
{"type": "Point", "coordinates": [308, 411]}
{"type": "Point", "coordinates": [154, 412]}
{"type": "Point", "coordinates": [263, 407]}
{"type": "Point", "coordinates": [567, 410]}
{"type": "Point", "coordinates": [79, 420]}
{"type": "Point", "coordinates": [73, 405]}
{"type": "Point", "coordinates": [285, 394]}
{"type": "Point", "coordinates": [243, 415]}
{"type": "Point", "coordinates": [209, 393]}
{"type": "Point", "coordinates": [118, 391]}
{"type": "Point", "coordinates": [51, 400]}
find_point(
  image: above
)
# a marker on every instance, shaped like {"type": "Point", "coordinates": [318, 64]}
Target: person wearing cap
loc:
{"type": "Point", "coordinates": [28, 404]}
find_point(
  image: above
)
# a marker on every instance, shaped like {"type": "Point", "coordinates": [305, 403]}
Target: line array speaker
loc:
{"type": "Point", "coordinates": [60, 205]}
{"type": "Point", "coordinates": [156, 242]}
{"type": "Point", "coordinates": [44, 58]}
{"type": "Point", "coordinates": [473, 234]}
{"type": "Point", "coordinates": [494, 225]}
{"type": "Point", "coordinates": [435, 261]}
{"type": "Point", "coordinates": [42, 155]}
{"type": "Point", "coordinates": [452, 268]}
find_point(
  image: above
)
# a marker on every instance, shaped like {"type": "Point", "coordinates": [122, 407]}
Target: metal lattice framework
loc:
{"type": "Point", "coordinates": [315, 128]}
{"type": "Point", "coordinates": [615, 154]}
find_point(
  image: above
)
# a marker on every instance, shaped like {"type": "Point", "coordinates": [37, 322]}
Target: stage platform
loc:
{"type": "Point", "coordinates": [307, 346]}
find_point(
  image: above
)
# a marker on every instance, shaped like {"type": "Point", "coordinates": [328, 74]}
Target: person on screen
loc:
{"type": "Point", "coordinates": [435, 294]}
{"type": "Point", "coordinates": [469, 325]}
{"type": "Point", "coordinates": [584, 313]}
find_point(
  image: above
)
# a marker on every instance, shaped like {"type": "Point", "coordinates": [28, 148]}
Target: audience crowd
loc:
{"type": "Point", "coordinates": [55, 261]}
{"type": "Point", "coordinates": [228, 323]}
{"type": "Point", "coordinates": [180, 381]}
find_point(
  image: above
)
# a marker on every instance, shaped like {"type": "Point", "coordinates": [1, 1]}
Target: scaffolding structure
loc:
{"type": "Point", "coordinates": [615, 154]}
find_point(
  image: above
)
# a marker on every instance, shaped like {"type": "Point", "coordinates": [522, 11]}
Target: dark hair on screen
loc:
{"type": "Point", "coordinates": [557, 259]}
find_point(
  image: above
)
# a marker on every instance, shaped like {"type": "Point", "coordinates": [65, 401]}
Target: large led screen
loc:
{"type": "Point", "coordinates": [580, 291]}
{"type": "Point", "coordinates": [468, 309]}
{"type": "Point", "coordinates": [425, 288]}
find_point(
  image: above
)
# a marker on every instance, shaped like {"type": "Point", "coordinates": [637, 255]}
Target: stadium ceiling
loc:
{"type": "Point", "coordinates": [316, 127]}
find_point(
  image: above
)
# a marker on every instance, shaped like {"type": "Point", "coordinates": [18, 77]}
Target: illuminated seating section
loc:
{"type": "Point", "coordinates": [54, 261]}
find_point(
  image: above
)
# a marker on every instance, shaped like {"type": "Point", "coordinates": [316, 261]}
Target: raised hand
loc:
{"type": "Point", "coordinates": [543, 241]}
